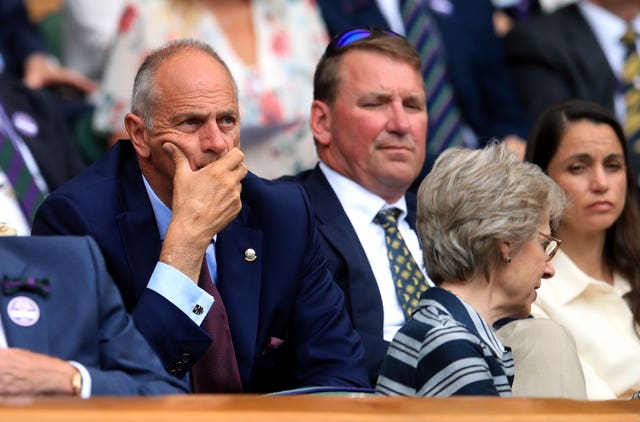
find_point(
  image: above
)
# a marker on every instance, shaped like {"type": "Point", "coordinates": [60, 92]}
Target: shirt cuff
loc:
{"type": "Point", "coordinates": [85, 392]}
{"type": "Point", "coordinates": [180, 290]}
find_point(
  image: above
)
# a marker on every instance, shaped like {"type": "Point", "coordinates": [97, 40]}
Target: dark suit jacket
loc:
{"type": "Point", "coordinates": [287, 293]}
{"type": "Point", "coordinates": [52, 146]}
{"type": "Point", "coordinates": [83, 318]}
{"type": "Point", "coordinates": [556, 57]}
{"type": "Point", "coordinates": [349, 265]}
{"type": "Point", "coordinates": [475, 61]}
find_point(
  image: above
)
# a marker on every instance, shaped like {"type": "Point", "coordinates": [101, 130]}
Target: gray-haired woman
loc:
{"type": "Point", "coordinates": [484, 220]}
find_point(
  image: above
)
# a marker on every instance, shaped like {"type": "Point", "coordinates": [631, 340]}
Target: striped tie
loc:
{"type": "Point", "coordinates": [27, 192]}
{"type": "Point", "coordinates": [407, 276]}
{"type": "Point", "coordinates": [630, 84]}
{"type": "Point", "coordinates": [445, 121]}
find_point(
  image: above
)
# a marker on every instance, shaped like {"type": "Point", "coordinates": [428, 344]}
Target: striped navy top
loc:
{"type": "Point", "coordinates": [446, 349]}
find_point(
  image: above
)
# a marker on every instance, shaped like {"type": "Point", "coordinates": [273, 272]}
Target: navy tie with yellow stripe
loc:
{"type": "Point", "coordinates": [407, 276]}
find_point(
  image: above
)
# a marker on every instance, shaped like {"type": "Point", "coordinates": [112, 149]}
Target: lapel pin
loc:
{"type": "Point", "coordinates": [250, 255]}
{"type": "Point", "coordinates": [23, 311]}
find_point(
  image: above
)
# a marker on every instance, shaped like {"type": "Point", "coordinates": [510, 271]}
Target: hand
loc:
{"type": "Point", "coordinates": [40, 71]}
{"type": "Point", "coordinates": [26, 373]}
{"type": "Point", "coordinates": [204, 202]}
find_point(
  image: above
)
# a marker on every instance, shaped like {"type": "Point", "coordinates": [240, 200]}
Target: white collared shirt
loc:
{"type": "Point", "coordinates": [361, 206]}
{"type": "Point", "coordinates": [10, 211]}
{"type": "Point", "coordinates": [600, 321]}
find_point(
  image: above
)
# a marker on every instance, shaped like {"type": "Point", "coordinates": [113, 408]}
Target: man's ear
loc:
{"type": "Point", "coordinates": [320, 122]}
{"type": "Point", "coordinates": [138, 133]}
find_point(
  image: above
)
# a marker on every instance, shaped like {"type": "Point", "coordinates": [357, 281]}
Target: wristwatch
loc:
{"type": "Point", "coordinates": [76, 384]}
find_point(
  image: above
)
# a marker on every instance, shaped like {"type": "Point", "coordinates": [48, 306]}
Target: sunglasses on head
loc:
{"type": "Point", "coordinates": [352, 35]}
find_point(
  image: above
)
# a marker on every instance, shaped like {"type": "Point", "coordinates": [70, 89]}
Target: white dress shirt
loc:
{"type": "Point", "coordinates": [361, 206]}
{"type": "Point", "coordinates": [10, 211]}
{"type": "Point", "coordinates": [601, 323]}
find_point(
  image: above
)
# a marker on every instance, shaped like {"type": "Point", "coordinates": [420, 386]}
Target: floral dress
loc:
{"type": "Point", "coordinates": [275, 94]}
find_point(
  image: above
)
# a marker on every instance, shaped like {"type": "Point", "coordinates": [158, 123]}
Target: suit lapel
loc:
{"type": "Point", "coordinates": [332, 222]}
{"type": "Point", "coordinates": [239, 282]}
{"type": "Point", "coordinates": [34, 337]}
{"type": "Point", "coordinates": [589, 57]}
{"type": "Point", "coordinates": [138, 229]}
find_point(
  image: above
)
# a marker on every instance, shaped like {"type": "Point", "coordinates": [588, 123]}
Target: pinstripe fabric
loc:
{"type": "Point", "coordinates": [445, 121]}
{"type": "Point", "coordinates": [446, 349]}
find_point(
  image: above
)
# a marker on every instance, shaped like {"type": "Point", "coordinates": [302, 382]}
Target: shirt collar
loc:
{"type": "Point", "coordinates": [161, 212]}
{"type": "Point", "coordinates": [575, 281]}
{"type": "Point", "coordinates": [606, 26]}
{"type": "Point", "coordinates": [358, 203]}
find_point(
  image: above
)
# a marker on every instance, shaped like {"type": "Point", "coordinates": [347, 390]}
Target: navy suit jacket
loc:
{"type": "Point", "coordinates": [475, 61]}
{"type": "Point", "coordinates": [83, 319]}
{"type": "Point", "coordinates": [349, 265]}
{"type": "Point", "coordinates": [557, 57]}
{"type": "Point", "coordinates": [287, 293]}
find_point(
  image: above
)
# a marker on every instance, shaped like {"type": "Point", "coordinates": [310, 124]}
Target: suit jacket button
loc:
{"type": "Point", "coordinates": [250, 255]}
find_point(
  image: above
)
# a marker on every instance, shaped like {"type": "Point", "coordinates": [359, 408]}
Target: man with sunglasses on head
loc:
{"type": "Point", "coordinates": [369, 123]}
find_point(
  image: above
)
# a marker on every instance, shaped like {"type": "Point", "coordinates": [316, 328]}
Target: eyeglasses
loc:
{"type": "Point", "coordinates": [551, 245]}
{"type": "Point", "coordinates": [352, 35]}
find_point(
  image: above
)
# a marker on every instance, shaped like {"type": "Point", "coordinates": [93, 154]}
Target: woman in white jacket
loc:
{"type": "Point", "coordinates": [596, 289]}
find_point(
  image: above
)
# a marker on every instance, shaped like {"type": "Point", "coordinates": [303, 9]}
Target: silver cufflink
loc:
{"type": "Point", "coordinates": [197, 309]}
{"type": "Point", "coordinates": [250, 255]}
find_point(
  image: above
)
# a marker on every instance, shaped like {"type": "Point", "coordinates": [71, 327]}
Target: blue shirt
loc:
{"type": "Point", "coordinates": [446, 349]}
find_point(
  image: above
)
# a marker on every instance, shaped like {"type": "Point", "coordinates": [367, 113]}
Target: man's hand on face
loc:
{"type": "Point", "coordinates": [204, 202]}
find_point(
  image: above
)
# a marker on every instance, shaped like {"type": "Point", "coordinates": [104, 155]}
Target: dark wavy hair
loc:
{"type": "Point", "coordinates": [622, 241]}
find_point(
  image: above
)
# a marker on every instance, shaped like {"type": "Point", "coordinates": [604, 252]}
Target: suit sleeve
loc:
{"type": "Point", "coordinates": [128, 366]}
{"type": "Point", "coordinates": [505, 114]}
{"type": "Point", "coordinates": [175, 338]}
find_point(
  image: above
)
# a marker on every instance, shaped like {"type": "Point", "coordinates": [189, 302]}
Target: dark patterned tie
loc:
{"type": "Point", "coordinates": [445, 122]}
{"type": "Point", "coordinates": [27, 192]}
{"type": "Point", "coordinates": [630, 85]}
{"type": "Point", "coordinates": [407, 277]}
{"type": "Point", "coordinates": [217, 369]}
